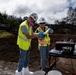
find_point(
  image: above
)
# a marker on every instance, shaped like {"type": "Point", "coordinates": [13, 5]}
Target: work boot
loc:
{"type": "Point", "coordinates": [17, 73]}
{"type": "Point", "coordinates": [25, 71]}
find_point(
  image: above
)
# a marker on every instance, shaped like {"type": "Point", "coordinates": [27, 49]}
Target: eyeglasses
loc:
{"type": "Point", "coordinates": [42, 23]}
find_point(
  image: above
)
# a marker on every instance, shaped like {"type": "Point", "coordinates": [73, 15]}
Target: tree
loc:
{"type": "Point", "coordinates": [71, 16]}
{"type": "Point", "coordinates": [56, 22]}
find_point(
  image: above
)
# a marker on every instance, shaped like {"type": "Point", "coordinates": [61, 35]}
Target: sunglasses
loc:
{"type": "Point", "coordinates": [42, 23]}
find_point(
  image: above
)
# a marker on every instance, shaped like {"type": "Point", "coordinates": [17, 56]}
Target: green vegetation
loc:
{"type": "Point", "coordinates": [4, 34]}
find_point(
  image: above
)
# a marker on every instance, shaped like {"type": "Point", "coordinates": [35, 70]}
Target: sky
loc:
{"type": "Point", "coordinates": [51, 10]}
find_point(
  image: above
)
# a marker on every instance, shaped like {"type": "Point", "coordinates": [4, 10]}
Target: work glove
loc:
{"type": "Point", "coordinates": [41, 35]}
{"type": "Point", "coordinates": [50, 30]}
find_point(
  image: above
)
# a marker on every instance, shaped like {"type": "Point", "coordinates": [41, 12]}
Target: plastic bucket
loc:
{"type": "Point", "coordinates": [39, 72]}
{"type": "Point", "coordinates": [54, 72]}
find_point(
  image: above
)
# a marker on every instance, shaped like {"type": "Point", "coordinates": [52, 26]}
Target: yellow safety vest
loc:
{"type": "Point", "coordinates": [46, 40]}
{"type": "Point", "coordinates": [22, 40]}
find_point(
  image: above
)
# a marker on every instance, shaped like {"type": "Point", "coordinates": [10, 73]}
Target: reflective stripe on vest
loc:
{"type": "Point", "coordinates": [26, 40]}
{"type": "Point", "coordinates": [44, 43]}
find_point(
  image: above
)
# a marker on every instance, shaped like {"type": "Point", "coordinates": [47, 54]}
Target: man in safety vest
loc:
{"type": "Point", "coordinates": [25, 34]}
{"type": "Point", "coordinates": [43, 43]}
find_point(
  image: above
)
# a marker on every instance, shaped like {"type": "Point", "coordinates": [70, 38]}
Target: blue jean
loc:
{"type": "Point", "coordinates": [24, 59]}
{"type": "Point", "coordinates": [44, 54]}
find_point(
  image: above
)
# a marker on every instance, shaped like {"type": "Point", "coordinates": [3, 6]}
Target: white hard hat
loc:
{"type": "Point", "coordinates": [42, 20]}
{"type": "Point", "coordinates": [34, 16]}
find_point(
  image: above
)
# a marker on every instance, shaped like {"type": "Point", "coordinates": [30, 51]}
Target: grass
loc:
{"type": "Point", "coordinates": [4, 34]}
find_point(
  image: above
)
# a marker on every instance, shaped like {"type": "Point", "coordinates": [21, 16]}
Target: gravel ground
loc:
{"type": "Point", "coordinates": [9, 56]}
{"type": "Point", "coordinates": [63, 65]}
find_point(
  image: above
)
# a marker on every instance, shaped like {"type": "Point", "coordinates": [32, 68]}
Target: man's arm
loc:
{"type": "Point", "coordinates": [31, 36]}
{"type": "Point", "coordinates": [25, 31]}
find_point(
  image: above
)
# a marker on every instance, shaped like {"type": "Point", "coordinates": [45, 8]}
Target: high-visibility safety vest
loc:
{"type": "Point", "coordinates": [22, 40]}
{"type": "Point", "coordinates": [46, 40]}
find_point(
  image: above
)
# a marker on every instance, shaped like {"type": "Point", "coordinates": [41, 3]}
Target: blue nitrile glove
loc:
{"type": "Point", "coordinates": [50, 30]}
{"type": "Point", "coordinates": [41, 35]}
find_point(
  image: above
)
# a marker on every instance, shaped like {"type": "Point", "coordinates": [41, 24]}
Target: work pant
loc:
{"type": "Point", "coordinates": [44, 54]}
{"type": "Point", "coordinates": [24, 59]}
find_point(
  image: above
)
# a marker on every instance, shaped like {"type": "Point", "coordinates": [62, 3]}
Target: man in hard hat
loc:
{"type": "Point", "coordinates": [25, 35]}
{"type": "Point", "coordinates": [43, 43]}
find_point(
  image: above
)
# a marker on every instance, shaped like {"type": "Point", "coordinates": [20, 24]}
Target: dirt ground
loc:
{"type": "Point", "coordinates": [9, 56]}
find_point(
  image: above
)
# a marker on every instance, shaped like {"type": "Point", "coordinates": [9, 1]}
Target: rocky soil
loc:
{"type": "Point", "coordinates": [9, 56]}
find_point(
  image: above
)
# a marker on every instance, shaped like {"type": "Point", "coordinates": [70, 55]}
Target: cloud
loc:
{"type": "Point", "coordinates": [6, 1]}
{"type": "Point", "coordinates": [49, 9]}
{"type": "Point", "coordinates": [22, 10]}
{"type": "Point", "coordinates": [72, 3]}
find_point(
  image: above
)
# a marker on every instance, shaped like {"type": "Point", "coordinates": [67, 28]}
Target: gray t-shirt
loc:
{"type": "Point", "coordinates": [24, 29]}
